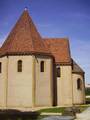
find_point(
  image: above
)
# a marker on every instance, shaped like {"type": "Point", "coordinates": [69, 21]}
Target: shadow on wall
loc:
{"type": "Point", "coordinates": [18, 115]}
{"type": "Point", "coordinates": [54, 86]}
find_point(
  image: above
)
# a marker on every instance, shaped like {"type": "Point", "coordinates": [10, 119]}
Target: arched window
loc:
{"type": "Point", "coordinates": [79, 84]}
{"type": "Point", "coordinates": [58, 71]}
{"type": "Point", "coordinates": [19, 66]}
{"type": "Point", "coordinates": [0, 67]}
{"type": "Point", "coordinates": [42, 66]}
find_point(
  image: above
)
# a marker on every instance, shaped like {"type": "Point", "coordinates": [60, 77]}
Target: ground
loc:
{"type": "Point", "coordinates": [15, 115]}
{"type": "Point", "coordinates": [44, 112]}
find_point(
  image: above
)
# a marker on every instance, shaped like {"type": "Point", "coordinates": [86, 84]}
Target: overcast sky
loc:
{"type": "Point", "coordinates": [54, 18]}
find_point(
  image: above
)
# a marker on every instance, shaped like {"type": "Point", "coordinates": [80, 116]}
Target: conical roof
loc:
{"type": "Point", "coordinates": [24, 38]}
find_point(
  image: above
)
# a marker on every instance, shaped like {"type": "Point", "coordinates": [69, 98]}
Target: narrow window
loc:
{"type": "Point", "coordinates": [58, 71]}
{"type": "Point", "coordinates": [19, 66]}
{"type": "Point", "coordinates": [0, 67]}
{"type": "Point", "coordinates": [79, 84]}
{"type": "Point", "coordinates": [42, 66]}
{"type": "Point", "coordinates": [72, 65]}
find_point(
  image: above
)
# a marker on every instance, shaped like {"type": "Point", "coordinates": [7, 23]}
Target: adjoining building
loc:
{"type": "Point", "coordinates": [36, 71]}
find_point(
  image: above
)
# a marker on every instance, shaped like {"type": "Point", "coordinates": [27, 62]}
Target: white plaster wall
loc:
{"type": "Point", "coordinates": [78, 95]}
{"type": "Point", "coordinates": [64, 87]}
{"type": "Point", "coordinates": [3, 82]}
{"type": "Point", "coordinates": [20, 83]}
{"type": "Point", "coordinates": [43, 82]}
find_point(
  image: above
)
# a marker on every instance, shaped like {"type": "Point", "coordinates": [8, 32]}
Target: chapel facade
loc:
{"type": "Point", "coordinates": [36, 71]}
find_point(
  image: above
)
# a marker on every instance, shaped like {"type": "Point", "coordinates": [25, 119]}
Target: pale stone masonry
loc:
{"type": "Point", "coordinates": [36, 71]}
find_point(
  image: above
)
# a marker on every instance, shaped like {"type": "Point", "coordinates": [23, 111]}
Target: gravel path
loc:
{"type": "Point", "coordinates": [85, 115]}
{"type": "Point", "coordinates": [59, 118]}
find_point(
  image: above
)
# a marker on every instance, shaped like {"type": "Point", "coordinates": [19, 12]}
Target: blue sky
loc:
{"type": "Point", "coordinates": [54, 18]}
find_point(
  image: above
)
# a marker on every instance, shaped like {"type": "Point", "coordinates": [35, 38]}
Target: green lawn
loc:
{"type": "Point", "coordinates": [52, 110]}
{"type": "Point", "coordinates": [62, 109]}
{"type": "Point", "coordinates": [46, 110]}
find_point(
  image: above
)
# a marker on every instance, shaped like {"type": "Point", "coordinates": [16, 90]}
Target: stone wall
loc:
{"type": "Point", "coordinates": [32, 88]}
{"type": "Point", "coordinates": [78, 95]}
{"type": "Point", "coordinates": [43, 82]}
{"type": "Point", "coordinates": [19, 92]}
{"type": "Point", "coordinates": [3, 82]}
{"type": "Point", "coordinates": [64, 87]}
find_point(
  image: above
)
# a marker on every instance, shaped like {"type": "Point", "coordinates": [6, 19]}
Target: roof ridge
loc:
{"type": "Point", "coordinates": [30, 33]}
{"type": "Point", "coordinates": [37, 33]}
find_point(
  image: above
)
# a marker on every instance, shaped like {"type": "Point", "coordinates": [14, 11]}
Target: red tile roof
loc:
{"type": "Point", "coordinates": [24, 38]}
{"type": "Point", "coordinates": [60, 49]}
{"type": "Point", "coordinates": [76, 68]}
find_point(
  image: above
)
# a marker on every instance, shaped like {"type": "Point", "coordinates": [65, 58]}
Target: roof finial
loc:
{"type": "Point", "coordinates": [26, 8]}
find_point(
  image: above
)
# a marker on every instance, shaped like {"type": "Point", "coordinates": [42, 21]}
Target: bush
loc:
{"type": "Point", "coordinates": [87, 91]}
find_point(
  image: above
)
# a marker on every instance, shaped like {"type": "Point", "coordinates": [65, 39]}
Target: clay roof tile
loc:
{"type": "Point", "coordinates": [60, 49]}
{"type": "Point", "coordinates": [24, 38]}
{"type": "Point", "coordinates": [76, 67]}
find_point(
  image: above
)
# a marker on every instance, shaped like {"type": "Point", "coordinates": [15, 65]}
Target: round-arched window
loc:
{"type": "Point", "coordinates": [0, 67]}
{"type": "Point", "coordinates": [79, 84]}
{"type": "Point", "coordinates": [58, 71]}
{"type": "Point", "coordinates": [42, 66]}
{"type": "Point", "coordinates": [19, 66]}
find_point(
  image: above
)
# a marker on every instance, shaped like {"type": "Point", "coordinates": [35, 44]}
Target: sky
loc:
{"type": "Point", "coordinates": [54, 18]}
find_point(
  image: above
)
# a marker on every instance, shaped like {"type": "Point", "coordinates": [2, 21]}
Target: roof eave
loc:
{"type": "Point", "coordinates": [63, 63]}
{"type": "Point", "coordinates": [25, 53]}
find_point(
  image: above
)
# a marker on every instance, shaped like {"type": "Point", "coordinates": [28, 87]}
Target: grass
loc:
{"type": "Point", "coordinates": [62, 109]}
{"type": "Point", "coordinates": [46, 110]}
{"type": "Point", "coordinates": [52, 110]}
